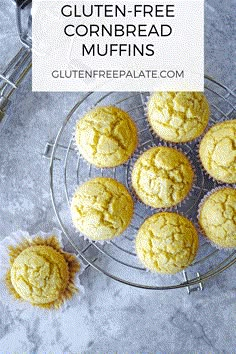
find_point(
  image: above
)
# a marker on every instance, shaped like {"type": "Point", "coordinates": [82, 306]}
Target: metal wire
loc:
{"type": "Point", "coordinates": [12, 76]}
{"type": "Point", "coordinates": [117, 259]}
{"type": "Point", "coordinates": [19, 66]}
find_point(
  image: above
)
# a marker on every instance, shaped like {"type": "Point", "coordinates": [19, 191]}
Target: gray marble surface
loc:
{"type": "Point", "coordinates": [111, 317]}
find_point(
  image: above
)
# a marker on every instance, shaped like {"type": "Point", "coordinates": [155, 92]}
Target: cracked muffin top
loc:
{"type": "Point", "coordinates": [162, 177]}
{"type": "Point", "coordinates": [166, 243]}
{"type": "Point", "coordinates": [106, 136]}
{"type": "Point", "coordinates": [217, 217]}
{"type": "Point", "coordinates": [101, 208]}
{"type": "Point", "coordinates": [39, 274]}
{"type": "Point", "coordinates": [218, 151]}
{"type": "Point", "coordinates": [178, 116]}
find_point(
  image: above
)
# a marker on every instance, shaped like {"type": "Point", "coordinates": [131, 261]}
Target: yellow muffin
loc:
{"type": "Point", "coordinates": [106, 136]}
{"type": "Point", "coordinates": [162, 177]}
{"type": "Point", "coordinates": [39, 274]}
{"type": "Point", "coordinates": [178, 116]}
{"type": "Point", "coordinates": [217, 217]}
{"type": "Point", "coordinates": [218, 151]}
{"type": "Point", "coordinates": [101, 208]}
{"type": "Point", "coordinates": [166, 243]}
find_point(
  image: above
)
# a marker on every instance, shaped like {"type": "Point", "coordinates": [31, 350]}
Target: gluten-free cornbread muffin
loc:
{"type": "Point", "coordinates": [101, 208]}
{"type": "Point", "coordinates": [106, 136]}
{"type": "Point", "coordinates": [162, 177]}
{"type": "Point", "coordinates": [178, 116]}
{"type": "Point", "coordinates": [40, 274]}
{"type": "Point", "coordinates": [217, 217]}
{"type": "Point", "coordinates": [218, 151]}
{"type": "Point", "coordinates": [166, 243]}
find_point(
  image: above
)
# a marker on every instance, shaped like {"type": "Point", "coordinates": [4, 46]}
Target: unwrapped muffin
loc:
{"type": "Point", "coordinates": [106, 136]}
{"type": "Point", "coordinates": [217, 217]}
{"type": "Point", "coordinates": [178, 116]}
{"type": "Point", "coordinates": [166, 243]}
{"type": "Point", "coordinates": [218, 151]}
{"type": "Point", "coordinates": [101, 208]}
{"type": "Point", "coordinates": [162, 177]}
{"type": "Point", "coordinates": [40, 272]}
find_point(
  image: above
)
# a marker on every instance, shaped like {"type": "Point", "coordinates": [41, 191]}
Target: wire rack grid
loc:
{"type": "Point", "coordinates": [117, 258]}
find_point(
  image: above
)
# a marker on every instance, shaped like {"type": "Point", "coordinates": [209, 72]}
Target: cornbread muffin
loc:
{"type": "Point", "coordinates": [166, 243]}
{"type": "Point", "coordinates": [218, 151]}
{"type": "Point", "coordinates": [178, 116]}
{"type": "Point", "coordinates": [162, 177]}
{"type": "Point", "coordinates": [39, 274]}
{"type": "Point", "coordinates": [101, 208]}
{"type": "Point", "coordinates": [217, 217]}
{"type": "Point", "coordinates": [106, 136]}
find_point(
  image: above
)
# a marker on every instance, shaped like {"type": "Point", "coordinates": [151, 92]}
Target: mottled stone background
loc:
{"type": "Point", "coordinates": [111, 317]}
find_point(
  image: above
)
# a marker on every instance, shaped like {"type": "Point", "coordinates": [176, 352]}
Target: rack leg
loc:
{"type": "Point", "coordinates": [191, 288]}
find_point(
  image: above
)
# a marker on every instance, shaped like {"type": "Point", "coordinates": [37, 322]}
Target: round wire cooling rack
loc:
{"type": "Point", "coordinates": [117, 258]}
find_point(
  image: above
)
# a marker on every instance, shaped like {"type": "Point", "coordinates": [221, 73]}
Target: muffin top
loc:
{"type": "Point", "coordinates": [217, 217]}
{"type": "Point", "coordinates": [178, 116]}
{"type": "Point", "coordinates": [106, 136]}
{"type": "Point", "coordinates": [218, 151]}
{"type": "Point", "coordinates": [162, 177]}
{"type": "Point", "coordinates": [39, 274]}
{"type": "Point", "coordinates": [101, 208]}
{"type": "Point", "coordinates": [166, 243]}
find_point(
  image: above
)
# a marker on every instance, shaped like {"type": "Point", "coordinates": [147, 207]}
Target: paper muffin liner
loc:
{"type": "Point", "coordinates": [213, 179]}
{"type": "Point", "coordinates": [100, 242]}
{"type": "Point", "coordinates": [80, 155]}
{"type": "Point", "coordinates": [147, 270]}
{"type": "Point", "coordinates": [172, 143]}
{"type": "Point", "coordinates": [200, 205]}
{"type": "Point", "coordinates": [136, 198]}
{"type": "Point", "coordinates": [14, 240]}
